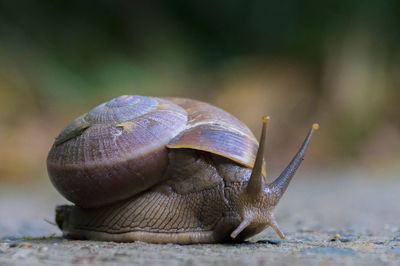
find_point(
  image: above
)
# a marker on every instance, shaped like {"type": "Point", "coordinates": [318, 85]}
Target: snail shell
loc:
{"type": "Point", "coordinates": [120, 148]}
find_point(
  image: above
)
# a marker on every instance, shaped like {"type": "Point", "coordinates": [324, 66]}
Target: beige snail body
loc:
{"type": "Point", "coordinates": [164, 170]}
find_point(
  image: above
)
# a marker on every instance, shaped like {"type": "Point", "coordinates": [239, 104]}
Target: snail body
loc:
{"type": "Point", "coordinates": [164, 170]}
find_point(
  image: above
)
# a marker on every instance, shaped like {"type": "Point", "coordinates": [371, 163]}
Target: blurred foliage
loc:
{"type": "Point", "coordinates": [299, 61]}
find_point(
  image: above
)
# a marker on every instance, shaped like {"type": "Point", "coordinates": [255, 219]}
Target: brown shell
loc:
{"type": "Point", "coordinates": [94, 161]}
{"type": "Point", "coordinates": [212, 129]}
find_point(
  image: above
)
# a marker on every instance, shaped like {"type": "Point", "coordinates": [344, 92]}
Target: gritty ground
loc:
{"type": "Point", "coordinates": [362, 207]}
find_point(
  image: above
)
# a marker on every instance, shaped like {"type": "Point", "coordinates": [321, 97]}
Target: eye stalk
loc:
{"type": "Point", "coordinates": [255, 185]}
{"type": "Point", "coordinates": [280, 184]}
{"type": "Point", "coordinates": [259, 198]}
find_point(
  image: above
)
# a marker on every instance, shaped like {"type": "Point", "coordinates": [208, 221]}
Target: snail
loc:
{"type": "Point", "coordinates": [164, 170]}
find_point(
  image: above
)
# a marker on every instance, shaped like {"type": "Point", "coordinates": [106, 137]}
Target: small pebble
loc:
{"type": "Point", "coordinates": [343, 239]}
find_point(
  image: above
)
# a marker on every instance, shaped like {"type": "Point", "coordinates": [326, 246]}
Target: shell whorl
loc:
{"type": "Point", "coordinates": [115, 150]}
{"type": "Point", "coordinates": [121, 109]}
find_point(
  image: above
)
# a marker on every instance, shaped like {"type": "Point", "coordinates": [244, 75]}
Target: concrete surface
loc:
{"type": "Point", "coordinates": [362, 207]}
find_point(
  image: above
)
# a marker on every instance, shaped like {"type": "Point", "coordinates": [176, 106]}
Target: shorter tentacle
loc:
{"type": "Point", "coordinates": [240, 228]}
{"type": "Point", "coordinates": [274, 225]}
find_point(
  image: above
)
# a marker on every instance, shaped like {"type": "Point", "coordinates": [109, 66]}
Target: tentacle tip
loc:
{"type": "Point", "coordinates": [315, 126]}
{"type": "Point", "coordinates": [266, 119]}
{"type": "Point", "coordinates": [240, 228]}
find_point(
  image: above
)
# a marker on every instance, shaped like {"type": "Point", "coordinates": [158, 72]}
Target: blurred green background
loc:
{"type": "Point", "coordinates": [335, 62]}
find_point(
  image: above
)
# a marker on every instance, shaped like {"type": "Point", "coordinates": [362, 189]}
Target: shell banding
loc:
{"type": "Point", "coordinates": [120, 147]}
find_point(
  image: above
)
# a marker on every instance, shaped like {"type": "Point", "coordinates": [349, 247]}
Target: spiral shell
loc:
{"type": "Point", "coordinates": [115, 150]}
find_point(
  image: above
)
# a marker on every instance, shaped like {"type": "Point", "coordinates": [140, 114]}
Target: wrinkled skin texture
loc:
{"type": "Point", "coordinates": [200, 202]}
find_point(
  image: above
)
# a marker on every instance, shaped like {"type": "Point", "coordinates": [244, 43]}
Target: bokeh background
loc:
{"type": "Point", "coordinates": [335, 62]}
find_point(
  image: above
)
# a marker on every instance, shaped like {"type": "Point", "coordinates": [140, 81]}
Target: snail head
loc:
{"type": "Point", "coordinates": [259, 199]}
